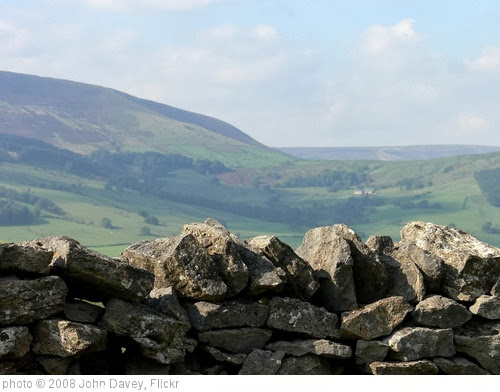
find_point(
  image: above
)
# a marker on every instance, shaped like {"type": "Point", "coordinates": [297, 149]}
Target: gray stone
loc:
{"type": "Point", "coordinates": [205, 315]}
{"type": "Point", "coordinates": [321, 347]}
{"type": "Point", "coordinates": [422, 367]}
{"type": "Point", "coordinates": [165, 301]}
{"type": "Point", "coordinates": [380, 244]}
{"type": "Point", "coordinates": [374, 320]}
{"type": "Point", "coordinates": [23, 301]}
{"type": "Point", "coordinates": [64, 338]}
{"type": "Point", "coordinates": [305, 365]}
{"type": "Point", "coordinates": [262, 362]}
{"type": "Point", "coordinates": [15, 258]}
{"type": "Point", "coordinates": [82, 312]}
{"type": "Point", "coordinates": [370, 351]}
{"type": "Point", "coordinates": [409, 344]}
{"type": "Point", "coordinates": [220, 356]}
{"type": "Point", "coordinates": [264, 277]}
{"type": "Point", "coordinates": [458, 366]}
{"type": "Point", "coordinates": [431, 266]}
{"type": "Point", "coordinates": [480, 340]}
{"type": "Point", "coordinates": [487, 306]}
{"type": "Point", "coordinates": [91, 275]}
{"type": "Point", "coordinates": [160, 337]}
{"type": "Point", "coordinates": [441, 312]}
{"type": "Point", "coordinates": [301, 281]}
{"type": "Point", "coordinates": [330, 256]}
{"type": "Point", "coordinates": [15, 342]}
{"type": "Point", "coordinates": [182, 263]}
{"type": "Point", "coordinates": [242, 340]}
{"type": "Point", "coordinates": [471, 267]}
{"type": "Point", "coordinates": [293, 315]}
{"type": "Point", "coordinates": [405, 279]}
{"type": "Point", "coordinates": [495, 290]}
{"type": "Point", "coordinates": [221, 245]}
{"type": "Point", "coordinates": [54, 365]}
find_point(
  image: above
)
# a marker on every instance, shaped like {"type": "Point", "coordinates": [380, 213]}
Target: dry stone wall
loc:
{"type": "Point", "coordinates": [206, 302]}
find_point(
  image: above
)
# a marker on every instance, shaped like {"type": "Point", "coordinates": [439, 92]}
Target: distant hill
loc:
{"type": "Point", "coordinates": [82, 118]}
{"type": "Point", "coordinates": [393, 153]}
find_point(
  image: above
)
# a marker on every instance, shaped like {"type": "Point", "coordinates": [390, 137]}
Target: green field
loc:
{"type": "Point", "coordinates": [447, 182]}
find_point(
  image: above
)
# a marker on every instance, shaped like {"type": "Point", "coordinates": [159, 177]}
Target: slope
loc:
{"type": "Point", "coordinates": [83, 118]}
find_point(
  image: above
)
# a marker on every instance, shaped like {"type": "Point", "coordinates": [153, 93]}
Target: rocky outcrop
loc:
{"type": "Point", "coordinates": [207, 302]}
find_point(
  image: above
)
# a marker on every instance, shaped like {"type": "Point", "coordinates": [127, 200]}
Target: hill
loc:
{"type": "Point", "coordinates": [109, 169]}
{"type": "Point", "coordinates": [83, 118]}
{"type": "Point", "coordinates": [393, 153]}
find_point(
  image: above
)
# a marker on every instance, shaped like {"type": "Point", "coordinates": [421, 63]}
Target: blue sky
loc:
{"type": "Point", "coordinates": [287, 72]}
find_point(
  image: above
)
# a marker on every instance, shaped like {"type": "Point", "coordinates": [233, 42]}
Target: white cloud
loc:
{"type": "Point", "coordinates": [488, 61]}
{"type": "Point", "coordinates": [264, 32]}
{"type": "Point", "coordinates": [379, 39]}
{"type": "Point", "coordinates": [470, 123]}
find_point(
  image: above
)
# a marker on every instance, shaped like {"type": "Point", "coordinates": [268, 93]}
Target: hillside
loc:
{"type": "Point", "coordinates": [393, 153]}
{"type": "Point", "coordinates": [83, 118]}
{"type": "Point", "coordinates": [109, 170]}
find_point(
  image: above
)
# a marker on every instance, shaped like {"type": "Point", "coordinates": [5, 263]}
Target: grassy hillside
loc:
{"type": "Point", "coordinates": [82, 118]}
{"type": "Point", "coordinates": [443, 191]}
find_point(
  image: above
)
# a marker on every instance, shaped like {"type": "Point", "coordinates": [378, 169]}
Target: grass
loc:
{"type": "Point", "coordinates": [455, 189]}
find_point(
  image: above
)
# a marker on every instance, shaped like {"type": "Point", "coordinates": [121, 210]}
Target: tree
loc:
{"type": "Point", "coordinates": [106, 223]}
{"type": "Point", "coordinates": [145, 231]}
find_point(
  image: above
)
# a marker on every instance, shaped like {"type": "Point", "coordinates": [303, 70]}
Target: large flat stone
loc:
{"type": "Point", "coordinates": [374, 320]}
{"type": "Point", "coordinates": [91, 275]}
{"type": "Point", "coordinates": [24, 301]}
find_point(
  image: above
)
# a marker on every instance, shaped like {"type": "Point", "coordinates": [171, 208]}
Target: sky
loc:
{"type": "Point", "coordinates": [316, 73]}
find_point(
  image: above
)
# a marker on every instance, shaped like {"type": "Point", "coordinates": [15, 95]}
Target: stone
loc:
{"type": "Point", "coordinates": [91, 275]}
{"type": "Point", "coordinates": [374, 320]}
{"type": "Point", "coordinates": [305, 365]}
{"type": "Point", "coordinates": [441, 312]}
{"type": "Point", "coordinates": [239, 341]}
{"type": "Point", "coordinates": [411, 343]}
{"type": "Point", "coordinates": [471, 267]}
{"type": "Point", "coordinates": [160, 337]}
{"type": "Point", "coordinates": [430, 266]}
{"type": "Point", "coordinates": [262, 362]}
{"type": "Point", "coordinates": [64, 338]}
{"type": "Point", "coordinates": [264, 277]}
{"type": "Point", "coordinates": [330, 256]}
{"type": "Point", "coordinates": [380, 244]}
{"type": "Point", "coordinates": [205, 315]}
{"type": "Point", "coordinates": [221, 245]}
{"type": "Point", "coordinates": [82, 312]}
{"type": "Point", "coordinates": [495, 290]}
{"type": "Point", "coordinates": [15, 258]}
{"type": "Point", "coordinates": [459, 366]}
{"type": "Point", "coordinates": [487, 306]}
{"type": "Point", "coordinates": [294, 315]}
{"type": "Point", "coordinates": [422, 367]}
{"type": "Point", "coordinates": [15, 342]}
{"type": "Point", "coordinates": [301, 281]}
{"type": "Point", "coordinates": [405, 279]}
{"type": "Point", "coordinates": [182, 263]}
{"type": "Point", "coordinates": [370, 351]}
{"type": "Point", "coordinates": [371, 279]}
{"type": "Point", "coordinates": [54, 365]}
{"type": "Point", "coordinates": [321, 347]}
{"type": "Point", "coordinates": [220, 356]}
{"type": "Point", "coordinates": [480, 340]}
{"type": "Point", "coordinates": [165, 301]}
{"type": "Point", "coordinates": [24, 301]}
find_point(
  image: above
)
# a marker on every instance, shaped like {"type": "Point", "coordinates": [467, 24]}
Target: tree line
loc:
{"type": "Point", "coordinates": [489, 183]}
